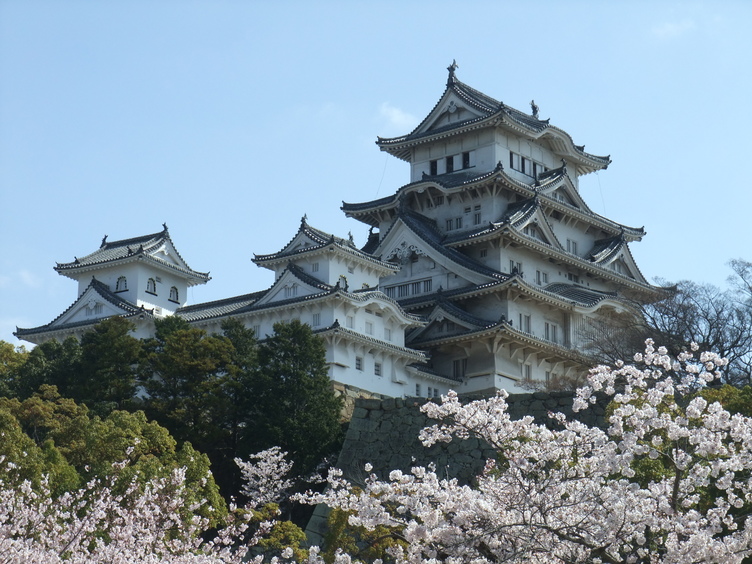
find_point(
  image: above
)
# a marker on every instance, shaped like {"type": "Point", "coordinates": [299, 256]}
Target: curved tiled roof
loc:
{"type": "Point", "coordinates": [605, 249]}
{"type": "Point", "coordinates": [323, 240]}
{"type": "Point", "coordinates": [218, 308]}
{"type": "Point", "coordinates": [105, 293]}
{"type": "Point", "coordinates": [490, 110]}
{"type": "Point", "coordinates": [129, 249]}
{"type": "Point", "coordinates": [426, 229]}
{"type": "Point", "coordinates": [431, 372]}
{"type": "Point", "coordinates": [579, 294]}
{"type": "Point", "coordinates": [403, 351]}
{"type": "Point", "coordinates": [467, 179]}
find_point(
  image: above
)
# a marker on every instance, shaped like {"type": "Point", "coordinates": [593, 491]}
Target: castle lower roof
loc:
{"type": "Point", "coordinates": [136, 248]}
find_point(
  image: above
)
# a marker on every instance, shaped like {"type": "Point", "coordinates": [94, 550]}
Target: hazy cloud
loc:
{"type": "Point", "coordinates": [28, 279]}
{"type": "Point", "coordinates": [397, 119]}
{"type": "Point", "coordinates": [671, 30]}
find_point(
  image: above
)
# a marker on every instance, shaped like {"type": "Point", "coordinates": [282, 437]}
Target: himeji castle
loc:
{"type": "Point", "coordinates": [484, 272]}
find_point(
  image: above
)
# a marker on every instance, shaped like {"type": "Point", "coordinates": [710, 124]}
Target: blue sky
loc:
{"type": "Point", "coordinates": [229, 120]}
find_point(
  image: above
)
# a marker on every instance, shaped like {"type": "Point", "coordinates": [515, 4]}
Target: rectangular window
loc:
{"type": "Point", "coordinates": [573, 278]}
{"type": "Point", "coordinates": [434, 168]}
{"type": "Point", "coordinates": [439, 200]}
{"type": "Point", "coordinates": [466, 159]}
{"type": "Point", "coordinates": [350, 323]}
{"type": "Point", "coordinates": [476, 218]}
{"type": "Point", "coordinates": [548, 377]}
{"type": "Point", "coordinates": [427, 285]}
{"type": "Point", "coordinates": [389, 291]}
{"type": "Point", "coordinates": [316, 319]}
{"type": "Point", "coordinates": [515, 267]}
{"type": "Point", "coordinates": [387, 334]}
{"type": "Point", "coordinates": [483, 253]}
{"type": "Point", "coordinates": [435, 392]}
{"type": "Point", "coordinates": [467, 209]}
{"type": "Point", "coordinates": [358, 363]}
{"type": "Point", "coordinates": [417, 390]}
{"type": "Point", "coordinates": [449, 224]}
{"type": "Point", "coordinates": [450, 164]}
{"type": "Point", "coordinates": [572, 246]}
{"type": "Point", "coordinates": [403, 290]}
{"type": "Point", "coordinates": [315, 267]}
{"type": "Point", "coordinates": [430, 390]}
{"type": "Point", "coordinates": [541, 277]}
{"type": "Point", "coordinates": [527, 372]}
{"type": "Point", "coordinates": [377, 368]}
{"type": "Point", "coordinates": [525, 323]}
{"type": "Point", "coordinates": [369, 328]}
{"type": "Point", "coordinates": [256, 330]}
{"type": "Point", "coordinates": [458, 223]}
{"type": "Point", "coordinates": [415, 288]}
{"type": "Point", "coordinates": [459, 367]}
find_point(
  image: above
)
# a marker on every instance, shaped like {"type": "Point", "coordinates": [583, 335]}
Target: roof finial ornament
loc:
{"type": "Point", "coordinates": [304, 219]}
{"type": "Point", "coordinates": [350, 237]}
{"type": "Point", "coordinates": [164, 225]}
{"type": "Point", "coordinates": [564, 165]}
{"type": "Point", "coordinates": [104, 241]}
{"type": "Point", "coordinates": [451, 68]}
{"type": "Point", "coordinates": [534, 107]}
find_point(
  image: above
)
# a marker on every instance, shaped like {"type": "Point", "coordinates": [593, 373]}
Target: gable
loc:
{"type": "Point", "coordinates": [449, 111]}
{"type": "Point", "coordinates": [91, 306]}
{"type": "Point", "coordinates": [402, 246]}
{"type": "Point", "coordinates": [288, 287]}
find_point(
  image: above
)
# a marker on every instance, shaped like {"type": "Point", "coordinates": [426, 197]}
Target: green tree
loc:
{"type": "Point", "coordinates": [296, 406]}
{"type": "Point", "coordinates": [11, 360]}
{"type": "Point", "coordinates": [106, 379]}
{"type": "Point", "coordinates": [52, 363]}
{"type": "Point", "coordinates": [184, 370]}
{"type": "Point", "coordinates": [48, 434]}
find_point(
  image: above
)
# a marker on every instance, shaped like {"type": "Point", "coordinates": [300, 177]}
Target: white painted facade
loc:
{"type": "Point", "coordinates": [480, 274]}
{"type": "Point", "coordinates": [497, 249]}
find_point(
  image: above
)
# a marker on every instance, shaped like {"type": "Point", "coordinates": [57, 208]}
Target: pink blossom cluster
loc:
{"type": "Point", "coordinates": [667, 482]}
{"type": "Point", "coordinates": [147, 523]}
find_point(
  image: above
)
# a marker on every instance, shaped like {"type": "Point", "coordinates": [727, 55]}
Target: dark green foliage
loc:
{"type": "Point", "coordinates": [106, 379]}
{"type": "Point", "coordinates": [48, 434]}
{"type": "Point", "coordinates": [184, 370]}
{"type": "Point", "coordinates": [299, 411]}
{"type": "Point", "coordinates": [227, 395]}
{"type": "Point", "coordinates": [52, 363]}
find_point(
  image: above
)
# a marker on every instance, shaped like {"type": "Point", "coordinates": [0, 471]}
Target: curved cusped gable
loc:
{"type": "Point", "coordinates": [412, 235]}
{"type": "Point", "coordinates": [292, 285]}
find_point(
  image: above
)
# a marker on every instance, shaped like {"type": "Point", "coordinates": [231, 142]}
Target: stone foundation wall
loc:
{"type": "Point", "coordinates": [384, 433]}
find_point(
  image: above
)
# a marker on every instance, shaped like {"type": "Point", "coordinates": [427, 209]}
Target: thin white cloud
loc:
{"type": "Point", "coordinates": [397, 119]}
{"type": "Point", "coordinates": [672, 30]}
{"type": "Point", "coordinates": [29, 279]}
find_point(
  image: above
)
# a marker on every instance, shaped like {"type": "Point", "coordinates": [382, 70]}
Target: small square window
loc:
{"type": "Point", "coordinates": [377, 368]}
{"type": "Point", "coordinates": [358, 363]}
{"type": "Point", "coordinates": [417, 390]}
{"type": "Point", "coordinates": [434, 168]}
{"type": "Point", "coordinates": [316, 319]}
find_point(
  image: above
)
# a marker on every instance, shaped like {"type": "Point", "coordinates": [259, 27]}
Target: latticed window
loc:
{"type": "Point", "coordinates": [151, 286]}
{"type": "Point", "coordinates": [174, 294]}
{"type": "Point", "coordinates": [121, 285]}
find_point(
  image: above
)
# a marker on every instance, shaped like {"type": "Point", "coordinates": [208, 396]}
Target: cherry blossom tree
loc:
{"type": "Point", "coordinates": [668, 480]}
{"type": "Point", "coordinates": [144, 524]}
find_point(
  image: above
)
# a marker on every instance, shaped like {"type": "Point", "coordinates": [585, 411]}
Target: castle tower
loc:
{"type": "Point", "coordinates": [496, 247]}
